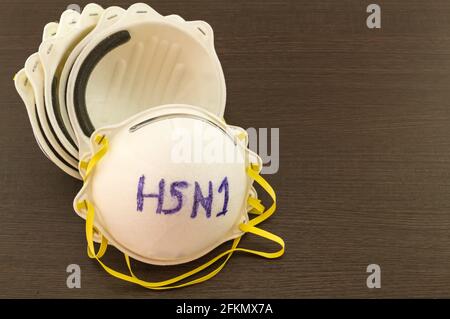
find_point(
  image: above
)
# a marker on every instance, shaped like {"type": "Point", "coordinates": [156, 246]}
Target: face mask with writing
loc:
{"type": "Point", "coordinates": [167, 187]}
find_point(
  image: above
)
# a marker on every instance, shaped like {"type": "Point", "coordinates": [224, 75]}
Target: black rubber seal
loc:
{"type": "Point", "coordinates": [57, 112]}
{"type": "Point", "coordinates": [52, 130]}
{"type": "Point", "coordinates": [93, 58]}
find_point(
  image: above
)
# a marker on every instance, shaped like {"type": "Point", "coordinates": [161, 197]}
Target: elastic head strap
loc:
{"type": "Point", "coordinates": [104, 242]}
{"type": "Point", "coordinates": [87, 166]}
{"type": "Point", "coordinates": [257, 207]}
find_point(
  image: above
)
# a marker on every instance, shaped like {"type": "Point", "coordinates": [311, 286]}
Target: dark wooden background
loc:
{"type": "Point", "coordinates": [364, 118]}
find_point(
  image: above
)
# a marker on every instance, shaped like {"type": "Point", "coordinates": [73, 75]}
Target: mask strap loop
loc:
{"type": "Point", "coordinates": [249, 227]}
{"type": "Point", "coordinates": [257, 207]}
{"type": "Point", "coordinates": [84, 165]}
{"type": "Point", "coordinates": [151, 285]}
{"type": "Point", "coordinates": [88, 166]}
{"type": "Point", "coordinates": [104, 241]}
{"type": "Point", "coordinates": [101, 251]}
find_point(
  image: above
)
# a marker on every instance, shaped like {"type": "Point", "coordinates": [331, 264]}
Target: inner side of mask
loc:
{"type": "Point", "coordinates": [142, 66]}
{"type": "Point", "coordinates": [54, 53]}
{"type": "Point", "coordinates": [108, 17]}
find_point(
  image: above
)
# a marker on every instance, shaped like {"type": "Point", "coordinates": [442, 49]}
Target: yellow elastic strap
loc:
{"type": "Point", "coordinates": [246, 228]}
{"type": "Point", "coordinates": [103, 243]}
{"type": "Point", "coordinates": [242, 135]}
{"type": "Point", "coordinates": [254, 174]}
{"type": "Point", "coordinates": [152, 285]}
{"type": "Point", "coordinates": [258, 208]}
{"type": "Point", "coordinates": [101, 251]}
{"type": "Point", "coordinates": [168, 284]}
{"type": "Point", "coordinates": [103, 142]}
{"type": "Point", "coordinates": [84, 165]}
{"type": "Point", "coordinates": [164, 284]}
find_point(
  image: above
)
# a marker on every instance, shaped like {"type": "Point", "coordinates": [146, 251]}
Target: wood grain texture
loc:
{"type": "Point", "coordinates": [364, 165]}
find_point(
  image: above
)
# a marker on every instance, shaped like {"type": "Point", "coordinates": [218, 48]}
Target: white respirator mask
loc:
{"type": "Point", "coordinates": [137, 60]}
{"type": "Point", "coordinates": [132, 102]}
{"type": "Point", "coordinates": [169, 185]}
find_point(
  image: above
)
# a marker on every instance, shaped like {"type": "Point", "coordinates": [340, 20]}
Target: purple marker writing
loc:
{"type": "Point", "coordinates": [200, 198]}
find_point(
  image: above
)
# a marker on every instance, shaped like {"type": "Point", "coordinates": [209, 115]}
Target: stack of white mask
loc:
{"type": "Point", "coordinates": [132, 102]}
